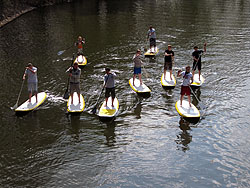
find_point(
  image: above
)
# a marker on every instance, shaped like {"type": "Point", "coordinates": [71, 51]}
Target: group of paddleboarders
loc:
{"type": "Point", "coordinates": [109, 78]}
{"type": "Point", "coordinates": [168, 64]}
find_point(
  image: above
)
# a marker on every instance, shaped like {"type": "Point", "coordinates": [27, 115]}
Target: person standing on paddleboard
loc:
{"type": "Point", "coordinates": [169, 57]}
{"type": "Point", "coordinates": [197, 59]}
{"type": "Point", "coordinates": [137, 66]}
{"type": "Point", "coordinates": [79, 45]}
{"type": "Point", "coordinates": [31, 72]}
{"type": "Point", "coordinates": [185, 87]}
{"type": "Point", "coordinates": [109, 83]}
{"type": "Point", "coordinates": [152, 38]}
{"type": "Point", "coordinates": [74, 73]}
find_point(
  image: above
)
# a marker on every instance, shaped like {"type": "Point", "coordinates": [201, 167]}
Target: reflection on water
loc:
{"type": "Point", "coordinates": [184, 138]}
{"type": "Point", "coordinates": [47, 148]}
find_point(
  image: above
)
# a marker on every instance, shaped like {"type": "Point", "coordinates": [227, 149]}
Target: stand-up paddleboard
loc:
{"type": "Point", "coordinates": [189, 113]}
{"type": "Point", "coordinates": [151, 52]}
{"type": "Point", "coordinates": [107, 113]}
{"type": "Point", "coordinates": [167, 83]}
{"type": "Point", "coordinates": [76, 107]}
{"type": "Point", "coordinates": [29, 106]}
{"type": "Point", "coordinates": [196, 82]}
{"type": "Point", "coordinates": [81, 60]}
{"type": "Point", "coordinates": [142, 90]}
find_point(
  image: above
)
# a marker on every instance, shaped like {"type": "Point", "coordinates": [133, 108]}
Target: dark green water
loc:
{"type": "Point", "coordinates": [147, 145]}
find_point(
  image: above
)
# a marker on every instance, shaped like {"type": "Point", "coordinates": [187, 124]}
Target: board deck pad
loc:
{"type": "Point", "coordinates": [81, 60]}
{"type": "Point", "coordinates": [196, 81]}
{"type": "Point", "coordinates": [28, 106]}
{"type": "Point", "coordinates": [109, 111]}
{"type": "Point", "coordinates": [137, 87]}
{"type": "Point", "coordinates": [186, 110]}
{"type": "Point", "coordinates": [167, 82]}
{"type": "Point", "coordinates": [151, 52]}
{"type": "Point", "coordinates": [76, 106]}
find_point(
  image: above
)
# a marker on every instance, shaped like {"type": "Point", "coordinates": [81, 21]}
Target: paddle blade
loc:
{"type": "Point", "coordinates": [60, 52]}
{"type": "Point", "coordinates": [13, 107]}
{"type": "Point", "coordinates": [94, 110]}
{"type": "Point", "coordinates": [66, 95]}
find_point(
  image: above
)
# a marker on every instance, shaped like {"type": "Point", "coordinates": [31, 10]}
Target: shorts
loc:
{"type": "Point", "coordinates": [137, 70]}
{"type": "Point", "coordinates": [152, 42]}
{"type": "Point", "coordinates": [195, 64]}
{"type": "Point", "coordinates": [32, 87]}
{"type": "Point", "coordinates": [108, 91]}
{"type": "Point", "coordinates": [185, 90]}
{"type": "Point", "coordinates": [80, 51]}
{"type": "Point", "coordinates": [168, 65]}
{"type": "Point", "coordinates": [74, 87]}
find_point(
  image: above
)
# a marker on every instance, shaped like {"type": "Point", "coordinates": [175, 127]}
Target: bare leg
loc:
{"type": "Point", "coordinates": [140, 79]}
{"type": "Point", "coordinates": [30, 95]}
{"type": "Point", "coordinates": [106, 102]}
{"type": "Point", "coordinates": [79, 97]}
{"type": "Point", "coordinates": [36, 97]}
{"type": "Point", "coordinates": [165, 70]}
{"type": "Point", "coordinates": [170, 74]}
{"type": "Point", "coordinates": [113, 102]}
{"type": "Point", "coordinates": [181, 99]}
{"type": "Point", "coordinates": [199, 75]}
{"type": "Point", "coordinates": [134, 79]}
{"type": "Point", "coordinates": [71, 94]}
{"type": "Point", "coordinates": [189, 100]}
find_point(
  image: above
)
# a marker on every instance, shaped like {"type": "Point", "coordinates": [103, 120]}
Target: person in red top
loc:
{"type": "Point", "coordinates": [79, 45]}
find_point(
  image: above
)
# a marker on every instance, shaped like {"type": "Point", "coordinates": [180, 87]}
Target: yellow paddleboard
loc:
{"type": "Point", "coordinates": [151, 52]}
{"type": "Point", "coordinates": [137, 87]}
{"type": "Point", "coordinates": [76, 107]}
{"type": "Point", "coordinates": [109, 111]}
{"type": "Point", "coordinates": [167, 82]}
{"type": "Point", "coordinates": [186, 111]}
{"type": "Point", "coordinates": [28, 106]}
{"type": "Point", "coordinates": [81, 60]}
{"type": "Point", "coordinates": [196, 81]}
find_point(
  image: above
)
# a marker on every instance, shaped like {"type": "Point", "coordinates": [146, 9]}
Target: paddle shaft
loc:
{"type": "Point", "coordinates": [67, 89]}
{"type": "Point", "coordinates": [19, 94]}
{"type": "Point", "coordinates": [100, 94]}
{"type": "Point", "coordinates": [62, 51]}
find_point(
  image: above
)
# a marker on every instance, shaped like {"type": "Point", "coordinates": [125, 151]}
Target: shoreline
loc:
{"type": "Point", "coordinates": [11, 18]}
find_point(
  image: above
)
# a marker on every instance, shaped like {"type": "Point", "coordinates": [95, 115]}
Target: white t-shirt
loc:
{"type": "Point", "coordinates": [151, 33]}
{"type": "Point", "coordinates": [186, 78]}
{"type": "Point", "coordinates": [32, 77]}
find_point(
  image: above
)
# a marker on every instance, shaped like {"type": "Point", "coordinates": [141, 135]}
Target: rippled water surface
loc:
{"type": "Point", "coordinates": [148, 145]}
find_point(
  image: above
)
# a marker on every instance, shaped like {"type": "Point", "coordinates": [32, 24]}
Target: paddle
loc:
{"type": "Point", "coordinates": [200, 103]}
{"type": "Point", "coordinates": [95, 107]}
{"type": "Point", "coordinates": [62, 51]}
{"type": "Point", "coordinates": [66, 94]}
{"type": "Point", "coordinates": [16, 105]}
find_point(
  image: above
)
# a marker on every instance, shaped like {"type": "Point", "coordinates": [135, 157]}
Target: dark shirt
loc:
{"type": "Point", "coordinates": [197, 54]}
{"type": "Point", "coordinates": [169, 58]}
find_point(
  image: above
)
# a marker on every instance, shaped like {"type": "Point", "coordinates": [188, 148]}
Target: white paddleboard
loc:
{"type": "Point", "coordinates": [137, 87]}
{"type": "Point", "coordinates": [151, 52]}
{"type": "Point", "coordinates": [109, 111]}
{"type": "Point", "coordinates": [167, 82]}
{"type": "Point", "coordinates": [76, 107]}
{"type": "Point", "coordinates": [196, 81]}
{"type": "Point", "coordinates": [81, 60]}
{"type": "Point", "coordinates": [28, 106]}
{"type": "Point", "coordinates": [186, 111]}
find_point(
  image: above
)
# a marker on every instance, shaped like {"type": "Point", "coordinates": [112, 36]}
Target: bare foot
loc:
{"type": "Point", "coordinates": [79, 102]}
{"type": "Point", "coordinates": [105, 105]}
{"type": "Point", "coordinates": [171, 78]}
{"type": "Point", "coordinates": [113, 105]}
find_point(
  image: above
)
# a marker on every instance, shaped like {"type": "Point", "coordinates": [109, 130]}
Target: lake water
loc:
{"type": "Point", "coordinates": [148, 144]}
